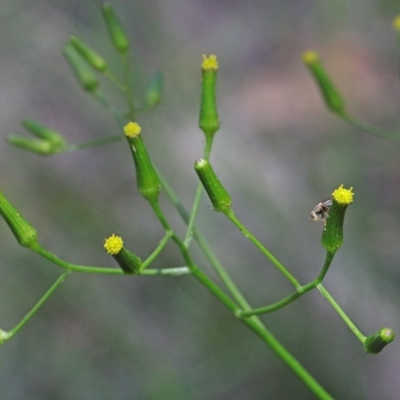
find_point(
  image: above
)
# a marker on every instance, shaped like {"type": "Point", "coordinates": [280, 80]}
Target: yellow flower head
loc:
{"type": "Point", "coordinates": [132, 129]}
{"type": "Point", "coordinates": [343, 196]}
{"type": "Point", "coordinates": [210, 62]}
{"type": "Point", "coordinates": [396, 23]}
{"type": "Point", "coordinates": [113, 244]}
{"type": "Point", "coordinates": [310, 57]}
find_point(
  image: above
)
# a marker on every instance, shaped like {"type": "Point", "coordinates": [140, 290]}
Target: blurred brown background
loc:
{"type": "Point", "coordinates": [279, 152]}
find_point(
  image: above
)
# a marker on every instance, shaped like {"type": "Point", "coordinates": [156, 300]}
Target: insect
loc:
{"type": "Point", "coordinates": [321, 210]}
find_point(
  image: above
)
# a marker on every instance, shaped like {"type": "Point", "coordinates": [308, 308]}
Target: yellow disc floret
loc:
{"type": "Point", "coordinates": [113, 244]}
{"type": "Point", "coordinates": [396, 23]}
{"type": "Point", "coordinates": [310, 57]}
{"type": "Point", "coordinates": [343, 196]}
{"type": "Point", "coordinates": [132, 129]}
{"type": "Point", "coordinates": [210, 62]}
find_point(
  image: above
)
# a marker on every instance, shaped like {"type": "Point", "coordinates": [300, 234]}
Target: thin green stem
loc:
{"type": "Point", "coordinates": [39, 304]}
{"type": "Point", "coordinates": [199, 191]}
{"type": "Point", "coordinates": [119, 119]}
{"type": "Point", "coordinates": [128, 85]}
{"type": "Point", "coordinates": [92, 143]}
{"type": "Point", "coordinates": [107, 73]}
{"type": "Point", "coordinates": [294, 296]}
{"type": "Point", "coordinates": [158, 250]}
{"type": "Point", "coordinates": [105, 271]}
{"type": "Point", "coordinates": [231, 216]}
{"type": "Point", "coordinates": [339, 310]}
{"type": "Point", "coordinates": [253, 323]}
{"type": "Point", "coordinates": [367, 127]}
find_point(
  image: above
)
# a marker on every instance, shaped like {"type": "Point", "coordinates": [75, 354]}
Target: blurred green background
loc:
{"type": "Point", "coordinates": [279, 152]}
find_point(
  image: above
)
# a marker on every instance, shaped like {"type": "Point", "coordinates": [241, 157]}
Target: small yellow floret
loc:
{"type": "Point", "coordinates": [343, 196]}
{"type": "Point", "coordinates": [132, 129]}
{"type": "Point", "coordinates": [210, 62]}
{"type": "Point", "coordinates": [310, 57]}
{"type": "Point", "coordinates": [396, 23]}
{"type": "Point", "coordinates": [113, 244]}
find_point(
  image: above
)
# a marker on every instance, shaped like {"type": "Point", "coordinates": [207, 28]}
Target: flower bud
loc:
{"type": "Point", "coordinates": [95, 60]}
{"type": "Point", "coordinates": [130, 263]}
{"type": "Point", "coordinates": [83, 74]}
{"type": "Point", "coordinates": [376, 342]}
{"type": "Point", "coordinates": [41, 147]}
{"type": "Point", "coordinates": [147, 180]}
{"type": "Point", "coordinates": [23, 231]}
{"type": "Point", "coordinates": [208, 119]}
{"type": "Point", "coordinates": [332, 235]}
{"type": "Point", "coordinates": [331, 95]}
{"type": "Point", "coordinates": [220, 198]}
{"type": "Point", "coordinates": [115, 29]}
{"type": "Point", "coordinates": [154, 90]}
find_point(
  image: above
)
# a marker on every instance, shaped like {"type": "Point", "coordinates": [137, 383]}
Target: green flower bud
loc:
{"type": "Point", "coordinates": [154, 90]}
{"type": "Point", "coordinates": [23, 231]}
{"type": "Point", "coordinates": [45, 133]}
{"type": "Point", "coordinates": [376, 342]}
{"type": "Point", "coordinates": [220, 198]}
{"type": "Point", "coordinates": [331, 95]}
{"type": "Point", "coordinates": [83, 74]}
{"type": "Point", "coordinates": [115, 29]}
{"type": "Point", "coordinates": [94, 59]}
{"type": "Point", "coordinates": [208, 119]}
{"type": "Point", "coordinates": [332, 235]}
{"type": "Point", "coordinates": [147, 180]}
{"type": "Point", "coordinates": [42, 147]}
{"type": "Point", "coordinates": [130, 263]}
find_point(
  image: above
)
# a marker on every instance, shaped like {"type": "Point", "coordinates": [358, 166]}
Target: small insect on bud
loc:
{"type": "Point", "coordinates": [376, 342]}
{"type": "Point", "coordinates": [321, 210]}
{"type": "Point", "coordinates": [332, 235]}
{"type": "Point", "coordinates": [130, 263]}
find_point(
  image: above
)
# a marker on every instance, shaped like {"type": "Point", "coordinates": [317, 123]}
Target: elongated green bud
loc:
{"type": "Point", "coordinates": [147, 180]}
{"type": "Point", "coordinates": [220, 198]}
{"type": "Point", "coordinates": [332, 235]}
{"type": "Point", "coordinates": [154, 90]}
{"type": "Point", "coordinates": [115, 29]}
{"type": "Point", "coordinates": [41, 147]}
{"type": "Point", "coordinates": [376, 342]}
{"type": "Point", "coordinates": [208, 119]}
{"type": "Point", "coordinates": [332, 97]}
{"type": "Point", "coordinates": [130, 263]}
{"type": "Point", "coordinates": [83, 73]}
{"type": "Point", "coordinates": [23, 231]}
{"type": "Point", "coordinates": [45, 133]}
{"type": "Point", "coordinates": [94, 59]}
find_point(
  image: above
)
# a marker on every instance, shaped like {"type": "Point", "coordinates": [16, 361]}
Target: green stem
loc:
{"type": "Point", "coordinates": [231, 216]}
{"type": "Point", "coordinates": [105, 271]}
{"type": "Point", "coordinates": [119, 119]}
{"type": "Point", "coordinates": [199, 191]}
{"type": "Point", "coordinates": [345, 318]}
{"type": "Point", "coordinates": [92, 143]}
{"type": "Point", "coordinates": [36, 307]}
{"type": "Point", "coordinates": [157, 251]}
{"type": "Point", "coordinates": [253, 323]}
{"type": "Point", "coordinates": [114, 80]}
{"type": "Point", "coordinates": [128, 85]}
{"type": "Point", "coordinates": [289, 299]}
{"type": "Point", "coordinates": [367, 127]}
